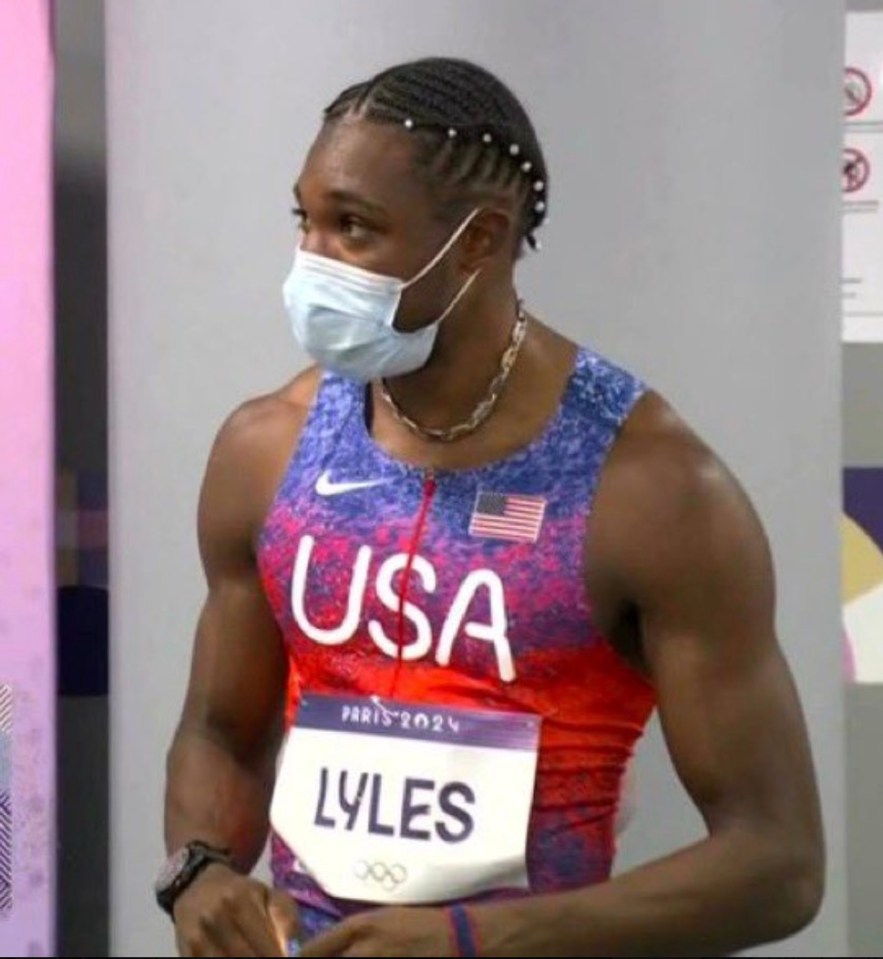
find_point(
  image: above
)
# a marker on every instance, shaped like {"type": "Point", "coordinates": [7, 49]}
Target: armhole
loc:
{"type": "Point", "coordinates": [618, 392]}
{"type": "Point", "coordinates": [313, 422]}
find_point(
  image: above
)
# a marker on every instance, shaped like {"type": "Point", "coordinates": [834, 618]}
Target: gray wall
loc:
{"type": "Point", "coordinates": [685, 241]}
{"type": "Point", "coordinates": [81, 444]}
{"type": "Point", "coordinates": [863, 405]}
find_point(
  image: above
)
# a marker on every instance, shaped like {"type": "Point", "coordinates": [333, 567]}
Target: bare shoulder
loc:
{"type": "Point", "coordinates": [255, 426]}
{"type": "Point", "coordinates": [249, 457]}
{"type": "Point", "coordinates": [668, 508]}
{"type": "Point", "coordinates": [660, 467]}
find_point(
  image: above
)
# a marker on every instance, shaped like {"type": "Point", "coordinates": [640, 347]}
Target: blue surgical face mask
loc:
{"type": "Point", "coordinates": [343, 316]}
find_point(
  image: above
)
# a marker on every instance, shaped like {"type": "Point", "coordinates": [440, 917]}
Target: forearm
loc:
{"type": "Point", "coordinates": [214, 797]}
{"type": "Point", "coordinates": [718, 896]}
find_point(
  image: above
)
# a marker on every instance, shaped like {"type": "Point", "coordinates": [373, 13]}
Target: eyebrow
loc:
{"type": "Point", "coordinates": [353, 199]}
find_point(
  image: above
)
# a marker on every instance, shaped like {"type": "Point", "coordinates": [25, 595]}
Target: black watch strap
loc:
{"type": "Point", "coordinates": [182, 868]}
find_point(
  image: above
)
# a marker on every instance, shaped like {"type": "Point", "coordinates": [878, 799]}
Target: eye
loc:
{"type": "Point", "coordinates": [354, 227]}
{"type": "Point", "coordinates": [301, 217]}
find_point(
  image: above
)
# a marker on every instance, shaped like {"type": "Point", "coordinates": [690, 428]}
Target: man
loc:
{"type": "Point", "coordinates": [460, 567]}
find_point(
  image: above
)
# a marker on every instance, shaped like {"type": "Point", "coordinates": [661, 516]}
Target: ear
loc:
{"type": "Point", "coordinates": [488, 236]}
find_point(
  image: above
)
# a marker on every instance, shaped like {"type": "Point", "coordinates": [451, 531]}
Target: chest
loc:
{"type": "Point", "coordinates": [480, 571]}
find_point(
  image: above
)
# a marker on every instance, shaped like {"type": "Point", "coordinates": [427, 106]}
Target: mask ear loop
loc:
{"type": "Point", "coordinates": [458, 297]}
{"type": "Point", "coordinates": [444, 252]}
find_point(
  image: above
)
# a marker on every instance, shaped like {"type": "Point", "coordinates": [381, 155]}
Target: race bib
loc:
{"type": "Point", "coordinates": [392, 802]}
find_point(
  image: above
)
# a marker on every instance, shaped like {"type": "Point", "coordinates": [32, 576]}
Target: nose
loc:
{"type": "Point", "coordinates": [311, 241]}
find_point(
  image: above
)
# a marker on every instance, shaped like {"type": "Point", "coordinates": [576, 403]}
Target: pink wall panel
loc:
{"type": "Point", "coordinates": [27, 659]}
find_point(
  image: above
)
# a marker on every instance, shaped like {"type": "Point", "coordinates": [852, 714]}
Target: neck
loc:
{"type": "Point", "coordinates": [465, 359]}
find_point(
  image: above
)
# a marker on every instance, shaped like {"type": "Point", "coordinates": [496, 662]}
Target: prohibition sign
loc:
{"type": "Point", "coordinates": [857, 91]}
{"type": "Point", "coordinates": [856, 170]}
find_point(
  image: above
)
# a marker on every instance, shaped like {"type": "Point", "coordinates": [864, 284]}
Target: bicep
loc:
{"type": "Point", "coordinates": [728, 706]}
{"type": "Point", "coordinates": [238, 673]}
{"type": "Point", "coordinates": [678, 550]}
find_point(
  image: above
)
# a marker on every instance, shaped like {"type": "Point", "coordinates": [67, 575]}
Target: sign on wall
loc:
{"type": "Point", "coordinates": [863, 572]}
{"type": "Point", "coordinates": [861, 179]}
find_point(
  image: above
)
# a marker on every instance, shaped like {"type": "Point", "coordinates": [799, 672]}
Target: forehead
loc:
{"type": "Point", "coordinates": [374, 160]}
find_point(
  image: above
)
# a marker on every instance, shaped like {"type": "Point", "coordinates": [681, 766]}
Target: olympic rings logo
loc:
{"type": "Point", "coordinates": [389, 876]}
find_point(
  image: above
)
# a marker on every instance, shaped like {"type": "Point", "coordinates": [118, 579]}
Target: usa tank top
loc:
{"type": "Point", "coordinates": [465, 588]}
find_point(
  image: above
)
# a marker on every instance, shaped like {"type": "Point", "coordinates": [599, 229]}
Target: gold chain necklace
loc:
{"type": "Point", "coordinates": [485, 407]}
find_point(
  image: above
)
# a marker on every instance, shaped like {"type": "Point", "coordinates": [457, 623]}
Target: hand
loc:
{"type": "Point", "coordinates": [395, 931]}
{"type": "Point", "coordinates": [226, 914]}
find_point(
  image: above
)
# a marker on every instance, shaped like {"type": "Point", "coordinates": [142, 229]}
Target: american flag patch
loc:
{"type": "Point", "coordinates": [508, 516]}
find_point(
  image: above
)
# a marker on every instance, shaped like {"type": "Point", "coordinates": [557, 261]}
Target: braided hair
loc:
{"type": "Point", "coordinates": [472, 136]}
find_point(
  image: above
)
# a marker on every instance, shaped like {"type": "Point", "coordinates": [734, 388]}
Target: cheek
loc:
{"type": "Point", "coordinates": [426, 300]}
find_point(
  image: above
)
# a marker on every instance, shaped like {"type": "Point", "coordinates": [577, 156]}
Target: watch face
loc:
{"type": "Point", "coordinates": [172, 869]}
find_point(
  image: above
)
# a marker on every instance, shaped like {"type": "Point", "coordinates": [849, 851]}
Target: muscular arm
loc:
{"type": "Point", "coordinates": [221, 763]}
{"type": "Point", "coordinates": [676, 541]}
{"type": "Point", "coordinates": [220, 766]}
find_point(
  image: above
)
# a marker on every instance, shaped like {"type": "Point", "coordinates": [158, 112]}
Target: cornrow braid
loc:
{"type": "Point", "coordinates": [471, 130]}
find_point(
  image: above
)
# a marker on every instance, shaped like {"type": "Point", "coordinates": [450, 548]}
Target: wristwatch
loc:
{"type": "Point", "coordinates": [182, 867]}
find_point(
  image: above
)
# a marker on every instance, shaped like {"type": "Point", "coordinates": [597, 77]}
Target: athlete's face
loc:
{"type": "Point", "coordinates": [360, 200]}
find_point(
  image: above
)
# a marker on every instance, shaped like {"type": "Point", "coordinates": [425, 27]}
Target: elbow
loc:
{"type": "Point", "coordinates": [796, 890]}
{"type": "Point", "coordinates": [805, 899]}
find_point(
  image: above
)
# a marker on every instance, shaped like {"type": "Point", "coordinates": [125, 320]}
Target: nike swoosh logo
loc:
{"type": "Point", "coordinates": [325, 486]}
